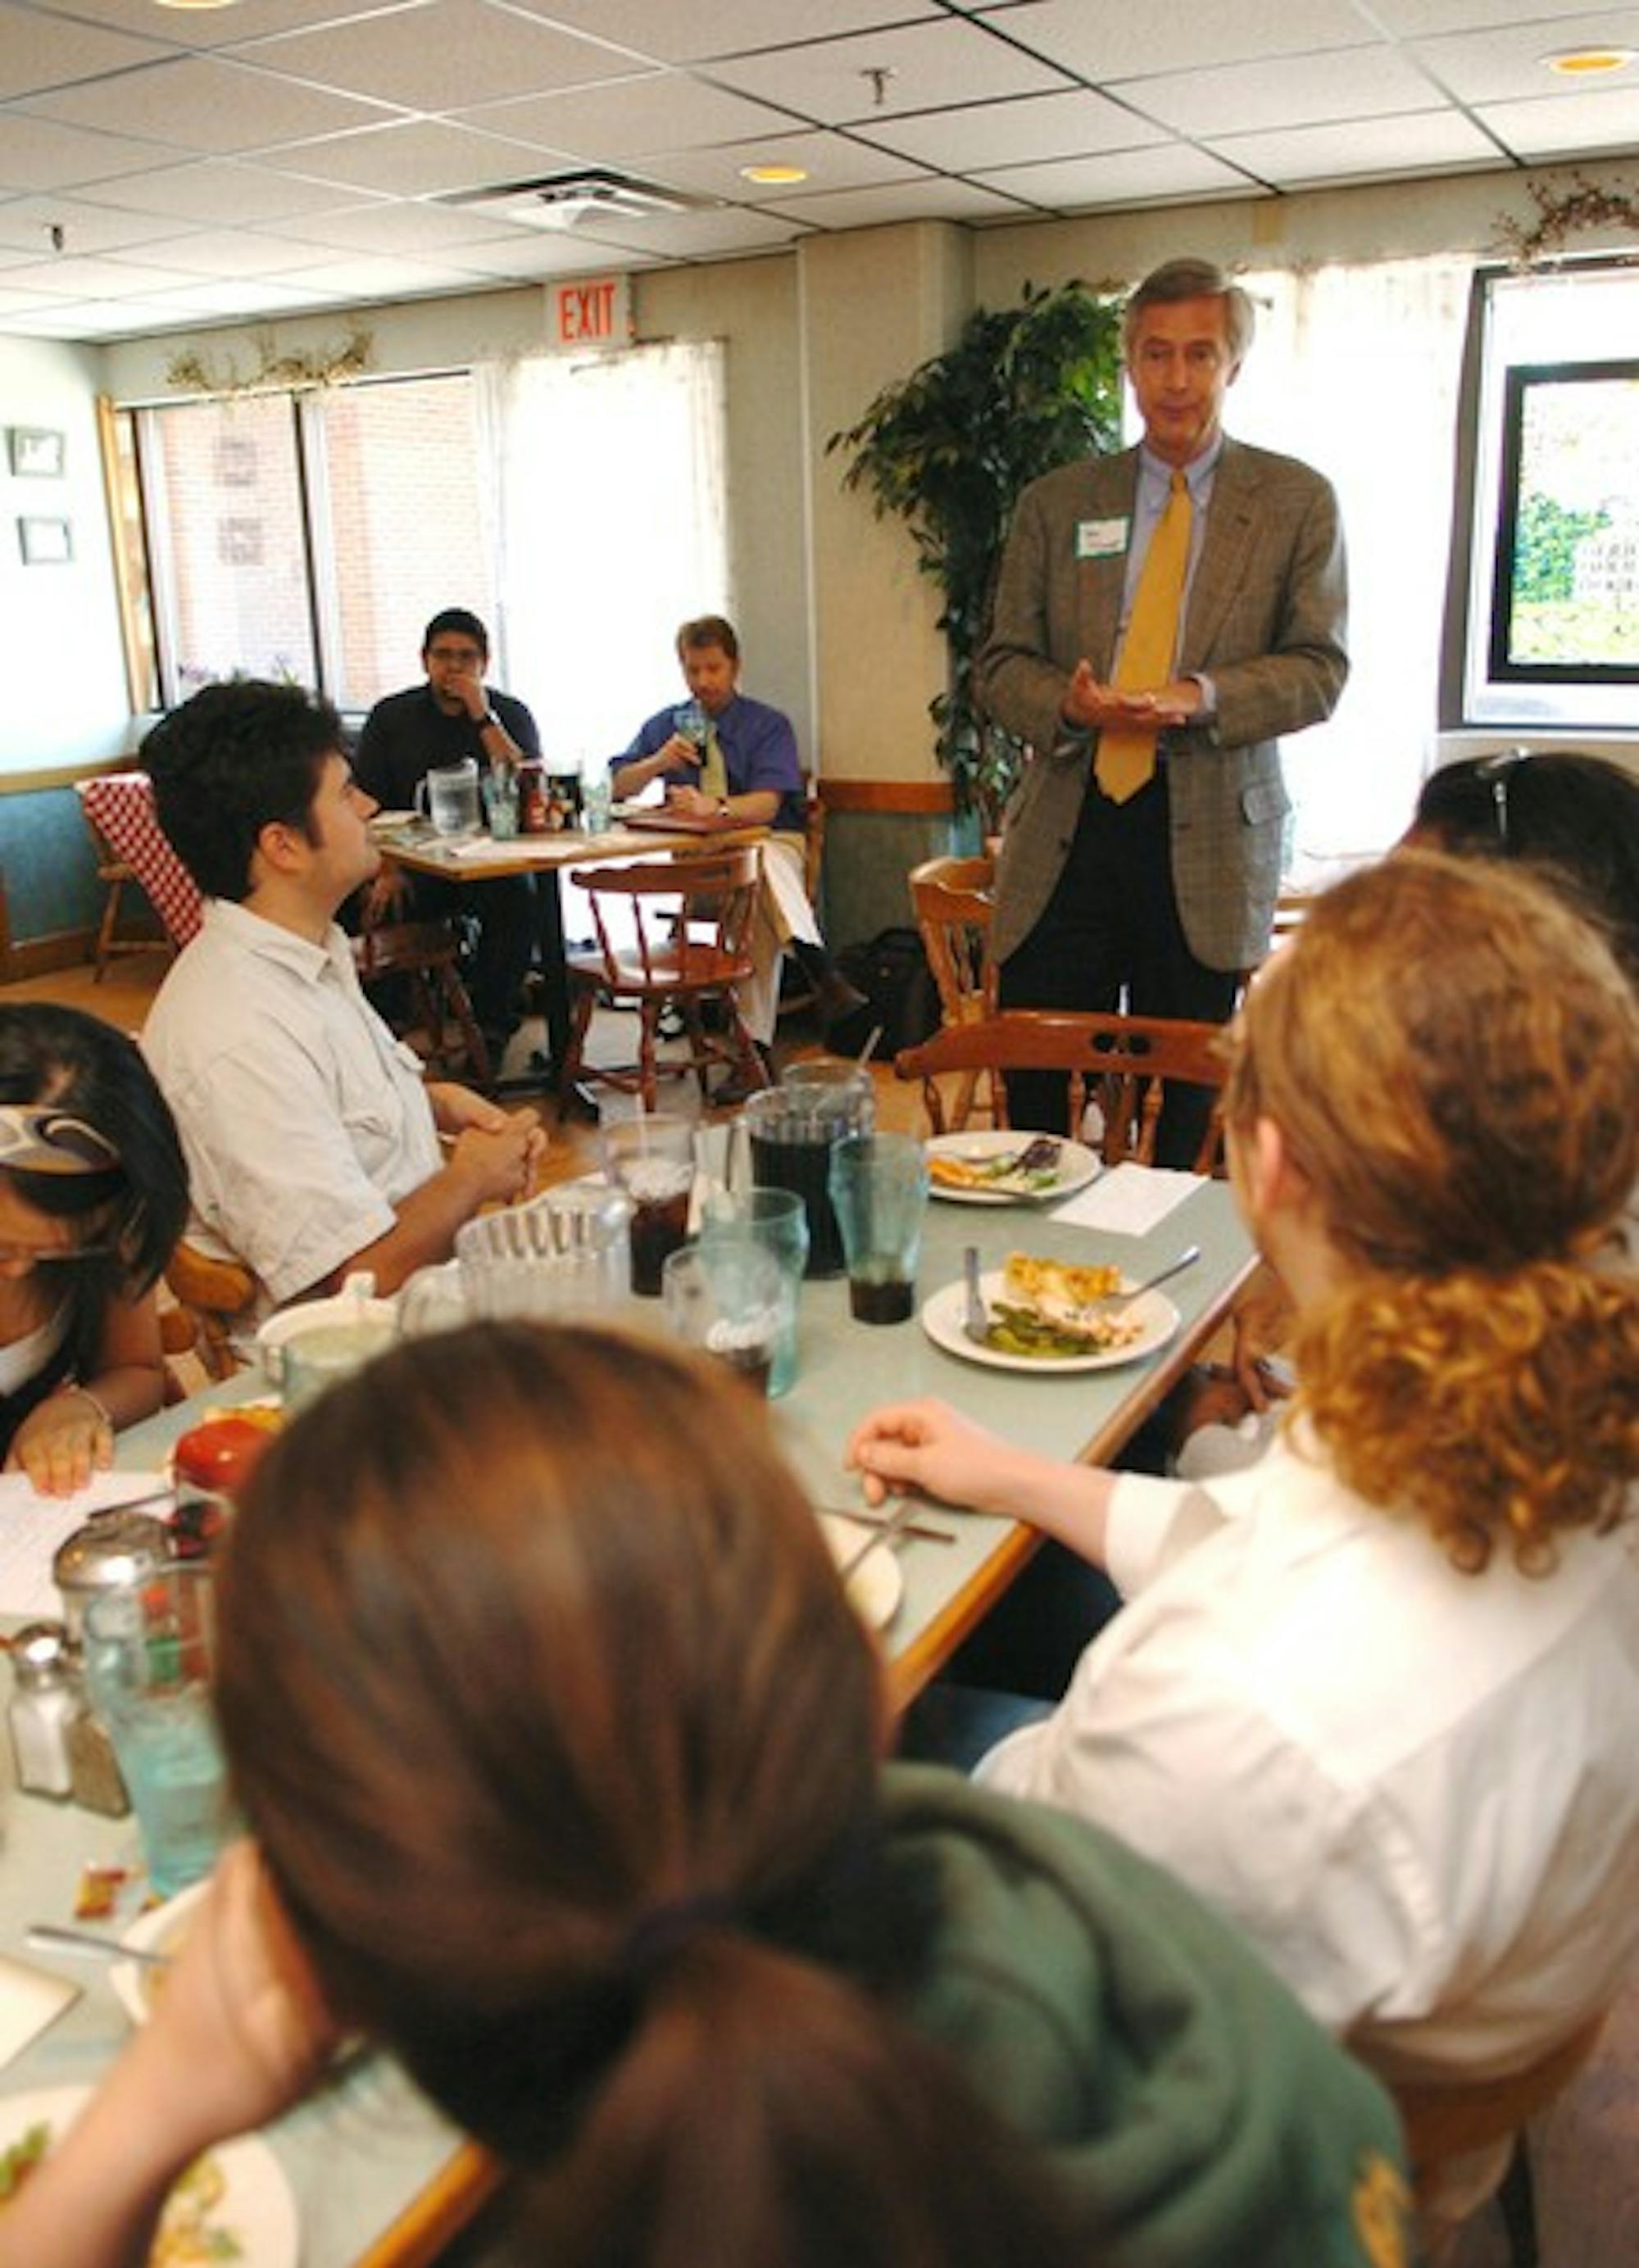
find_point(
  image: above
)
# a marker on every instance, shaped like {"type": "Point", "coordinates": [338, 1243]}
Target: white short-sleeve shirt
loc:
{"type": "Point", "coordinates": [1414, 1789]}
{"type": "Point", "coordinates": [304, 1123]}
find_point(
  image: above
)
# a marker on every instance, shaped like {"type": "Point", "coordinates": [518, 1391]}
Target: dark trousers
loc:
{"type": "Point", "coordinates": [505, 912]}
{"type": "Point", "coordinates": [1111, 939]}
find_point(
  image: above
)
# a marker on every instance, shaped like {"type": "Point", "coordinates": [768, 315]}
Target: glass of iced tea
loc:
{"type": "Point", "coordinates": [879, 1188]}
{"type": "Point", "coordinates": [651, 1160]}
{"type": "Point", "coordinates": [730, 1297]}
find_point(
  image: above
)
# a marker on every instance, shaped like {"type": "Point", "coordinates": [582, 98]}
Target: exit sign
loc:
{"type": "Point", "coordinates": [594, 311]}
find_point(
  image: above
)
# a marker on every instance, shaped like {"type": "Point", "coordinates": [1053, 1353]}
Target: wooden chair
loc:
{"type": "Point", "coordinates": [214, 1294]}
{"type": "Point", "coordinates": [117, 874]}
{"type": "Point", "coordinates": [1445, 2124]}
{"type": "Point", "coordinates": [443, 1029]}
{"type": "Point", "coordinates": [1120, 1062]}
{"type": "Point", "coordinates": [952, 899]}
{"type": "Point", "coordinates": [690, 919]}
{"type": "Point", "coordinates": [123, 824]}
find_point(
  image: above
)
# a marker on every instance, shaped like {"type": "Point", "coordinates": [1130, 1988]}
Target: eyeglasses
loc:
{"type": "Point", "coordinates": [1497, 772]}
{"type": "Point", "coordinates": [44, 1141]}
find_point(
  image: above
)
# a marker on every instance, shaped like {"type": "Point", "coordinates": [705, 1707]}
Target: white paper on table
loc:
{"type": "Point", "coordinates": [30, 1998]}
{"type": "Point", "coordinates": [33, 1526]}
{"type": "Point", "coordinates": [480, 850]}
{"type": "Point", "coordinates": [1129, 1200]}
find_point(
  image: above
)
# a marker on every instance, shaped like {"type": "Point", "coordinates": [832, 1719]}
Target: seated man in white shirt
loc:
{"type": "Point", "coordinates": [311, 1136]}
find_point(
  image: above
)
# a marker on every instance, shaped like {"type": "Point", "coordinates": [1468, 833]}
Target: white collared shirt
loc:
{"type": "Point", "coordinates": [304, 1123]}
{"type": "Point", "coordinates": [1414, 1789]}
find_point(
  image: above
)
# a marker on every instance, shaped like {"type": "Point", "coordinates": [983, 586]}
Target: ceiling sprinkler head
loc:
{"type": "Point", "coordinates": [58, 236]}
{"type": "Point", "coordinates": [879, 75]}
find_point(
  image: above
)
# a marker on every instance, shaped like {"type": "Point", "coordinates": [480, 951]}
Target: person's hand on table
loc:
{"type": "Point", "coordinates": [62, 1442]}
{"type": "Point", "coordinates": [691, 802]}
{"type": "Point", "coordinates": [927, 1445]}
{"type": "Point", "coordinates": [238, 2034]}
{"type": "Point", "coordinates": [499, 1161]}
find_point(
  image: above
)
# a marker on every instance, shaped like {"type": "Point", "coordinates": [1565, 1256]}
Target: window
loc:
{"type": "Point", "coordinates": [309, 536]}
{"type": "Point", "coordinates": [1550, 637]}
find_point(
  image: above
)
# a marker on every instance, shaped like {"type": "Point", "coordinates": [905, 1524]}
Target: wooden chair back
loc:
{"type": "Point", "coordinates": [214, 1294]}
{"type": "Point", "coordinates": [1119, 1063]}
{"type": "Point", "coordinates": [1444, 2124]}
{"type": "Point", "coordinates": [444, 1032]}
{"type": "Point", "coordinates": [952, 899]}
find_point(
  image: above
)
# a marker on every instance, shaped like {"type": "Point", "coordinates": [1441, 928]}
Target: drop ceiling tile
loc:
{"type": "Point", "coordinates": [1421, 19]}
{"type": "Point", "coordinates": [419, 159]}
{"type": "Point", "coordinates": [203, 103]}
{"type": "Point", "coordinates": [37, 52]}
{"type": "Point", "coordinates": [932, 64]}
{"type": "Point", "coordinates": [1295, 90]}
{"type": "Point", "coordinates": [693, 236]}
{"type": "Point", "coordinates": [659, 111]}
{"type": "Point", "coordinates": [236, 254]}
{"type": "Point", "coordinates": [1432, 141]}
{"type": "Point", "coordinates": [251, 296]}
{"type": "Point", "coordinates": [1017, 132]}
{"type": "Point", "coordinates": [218, 193]}
{"type": "Point", "coordinates": [930, 200]}
{"type": "Point", "coordinates": [71, 318]}
{"type": "Point", "coordinates": [1104, 43]}
{"type": "Point", "coordinates": [530, 253]}
{"type": "Point", "coordinates": [98, 279]}
{"type": "Point", "coordinates": [425, 55]}
{"type": "Point", "coordinates": [1566, 126]}
{"type": "Point", "coordinates": [1504, 62]}
{"type": "Point", "coordinates": [36, 154]}
{"type": "Point", "coordinates": [382, 275]}
{"type": "Point", "coordinates": [1134, 177]}
{"type": "Point", "coordinates": [690, 31]}
{"type": "Point", "coordinates": [410, 226]}
{"type": "Point", "coordinates": [27, 221]}
{"type": "Point", "coordinates": [831, 161]}
{"type": "Point", "coordinates": [219, 27]}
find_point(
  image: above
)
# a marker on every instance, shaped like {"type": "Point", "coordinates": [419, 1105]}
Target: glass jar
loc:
{"type": "Point", "coordinates": [114, 1550]}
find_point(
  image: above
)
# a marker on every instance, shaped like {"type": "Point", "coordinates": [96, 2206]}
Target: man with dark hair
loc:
{"type": "Point", "coordinates": [1161, 615]}
{"type": "Point", "coordinates": [452, 716]}
{"type": "Point", "coordinates": [311, 1137]}
{"type": "Point", "coordinates": [745, 768]}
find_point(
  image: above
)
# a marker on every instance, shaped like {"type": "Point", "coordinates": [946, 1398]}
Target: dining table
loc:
{"type": "Point", "coordinates": [476, 857]}
{"type": "Point", "coordinates": [379, 2178]}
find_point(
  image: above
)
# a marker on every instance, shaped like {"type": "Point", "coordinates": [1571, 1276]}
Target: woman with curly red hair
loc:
{"type": "Point", "coordinates": [1376, 1696]}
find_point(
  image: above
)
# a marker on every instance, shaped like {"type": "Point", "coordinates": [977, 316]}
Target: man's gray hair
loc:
{"type": "Point", "coordinates": [1193, 279]}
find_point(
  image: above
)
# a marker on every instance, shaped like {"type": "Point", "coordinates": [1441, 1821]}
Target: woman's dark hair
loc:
{"type": "Point", "coordinates": [559, 1738]}
{"type": "Point", "coordinates": [88, 1070]}
{"type": "Point", "coordinates": [1575, 818]}
{"type": "Point", "coordinates": [238, 757]}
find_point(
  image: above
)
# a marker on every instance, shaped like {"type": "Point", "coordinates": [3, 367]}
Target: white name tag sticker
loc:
{"type": "Point", "coordinates": [1100, 538]}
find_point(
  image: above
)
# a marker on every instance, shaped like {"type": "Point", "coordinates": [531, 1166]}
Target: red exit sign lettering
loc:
{"type": "Point", "coordinates": [594, 311]}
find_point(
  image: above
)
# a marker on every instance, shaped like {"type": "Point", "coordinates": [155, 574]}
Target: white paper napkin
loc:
{"type": "Point", "coordinates": [30, 1998]}
{"type": "Point", "coordinates": [31, 1527]}
{"type": "Point", "coordinates": [1129, 1200]}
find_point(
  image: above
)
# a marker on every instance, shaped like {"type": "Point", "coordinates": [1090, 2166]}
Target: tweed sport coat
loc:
{"type": "Point", "coordinates": [1265, 621]}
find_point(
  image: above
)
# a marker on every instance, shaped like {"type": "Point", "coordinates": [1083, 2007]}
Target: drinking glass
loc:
{"type": "Point", "coordinates": [776, 1219]}
{"type": "Point", "coordinates": [651, 1160]}
{"type": "Point", "coordinates": [500, 802]}
{"type": "Point", "coordinates": [730, 1297]}
{"type": "Point", "coordinates": [692, 723]}
{"type": "Point", "coordinates": [597, 797]}
{"type": "Point", "coordinates": [879, 1187]}
{"type": "Point", "coordinates": [329, 1353]}
{"type": "Point", "coordinates": [791, 1131]}
{"type": "Point", "coordinates": [150, 1651]}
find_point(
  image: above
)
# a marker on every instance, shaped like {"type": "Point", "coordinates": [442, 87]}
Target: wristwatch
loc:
{"type": "Point", "coordinates": [722, 807]}
{"type": "Point", "coordinates": [483, 724]}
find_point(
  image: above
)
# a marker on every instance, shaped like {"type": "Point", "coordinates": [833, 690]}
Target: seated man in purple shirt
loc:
{"type": "Point", "coordinates": [745, 769]}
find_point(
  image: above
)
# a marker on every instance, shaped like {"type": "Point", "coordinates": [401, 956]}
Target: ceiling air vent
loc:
{"type": "Point", "coordinates": [569, 199]}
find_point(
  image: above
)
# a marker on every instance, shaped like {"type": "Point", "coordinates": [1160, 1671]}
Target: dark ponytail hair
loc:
{"type": "Point", "coordinates": [560, 1741]}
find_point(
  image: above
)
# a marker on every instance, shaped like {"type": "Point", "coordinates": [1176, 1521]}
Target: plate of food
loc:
{"type": "Point", "coordinates": [160, 1930]}
{"type": "Point", "coordinates": [1051, 1314]}
{"type": "Point", "coordinates": [877, 1584]}
{"type": "Point", "coordinates": [231, 2204]}
{"type": "Point", "coordinates": [1003, 1166]}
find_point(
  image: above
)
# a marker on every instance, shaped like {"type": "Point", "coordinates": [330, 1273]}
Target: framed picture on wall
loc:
{"type": "Point", "coordinates": [44, 543]}
{"type": "Point", "coordinates": [36, 453]}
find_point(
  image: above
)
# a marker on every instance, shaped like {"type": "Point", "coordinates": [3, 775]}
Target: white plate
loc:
{"type": "Point", "coordinates": [160, 1930]}
{"type": "Point", "coordinates": [1077, 1166]}
{"type": "Point", "coordinates": [942, 1320]}
{"type": "Point", "coordinates": [256, 2207]}
{"type": "Point", "coordinates": [382, 822]}
{"type": "Point", "coordinates": [877, 1584]}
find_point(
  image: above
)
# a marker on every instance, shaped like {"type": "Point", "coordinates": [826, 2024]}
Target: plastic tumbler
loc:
{"type": "Point", "coordinates": [150, 1651]}
{"type": "Point", "coordinates": [730, 1298]}
{"type": "Point", "coordinates": [778, 1219]}
{"type": "Point", "coordinates": [652, 1160]}
{"type": "Point", "coordinates": [879, 1187]}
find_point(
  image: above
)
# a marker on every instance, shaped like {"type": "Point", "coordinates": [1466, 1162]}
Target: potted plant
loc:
{"type": "Point", "coordinates": [950, 449]}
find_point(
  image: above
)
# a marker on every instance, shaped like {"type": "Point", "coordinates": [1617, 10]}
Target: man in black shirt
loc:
{"type": "Point", "coordinates": [452, 716]}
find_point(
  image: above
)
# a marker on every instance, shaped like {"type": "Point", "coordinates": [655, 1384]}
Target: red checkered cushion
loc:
{"type": "Point", "coordinates": [120, 806]}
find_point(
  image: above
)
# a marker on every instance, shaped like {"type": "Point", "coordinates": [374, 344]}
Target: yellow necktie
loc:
{"type": "Point", "coordinates": [713, 778]}
{"type": "Point", "coordinates": [1127, 753]}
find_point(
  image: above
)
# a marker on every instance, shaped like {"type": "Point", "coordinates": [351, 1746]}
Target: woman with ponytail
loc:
{"type": "Point", "coordinates": [559, 1745]}
{"type": "Point", "coordinates": [1376, 1697]}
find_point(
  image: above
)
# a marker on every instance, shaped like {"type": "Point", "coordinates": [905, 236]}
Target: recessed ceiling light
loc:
{"type": "Point", "coordinates": [773, 177]}
{"type": "Point", "coordinates": [195, 3]}
{"type": "Point", "coordinates": [1590, 62]}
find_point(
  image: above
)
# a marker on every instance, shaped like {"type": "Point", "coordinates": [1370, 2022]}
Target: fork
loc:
{"type": "Point", "coordinates": [976, 1316]}
{"type": "Point", "coordinates": [892, 1527]}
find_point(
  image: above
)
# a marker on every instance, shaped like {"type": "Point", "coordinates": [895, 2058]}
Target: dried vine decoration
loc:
{"type": "Point", "coordinates": [277, 370]}
{"type": "Point", "coordinates": [1564, 212]}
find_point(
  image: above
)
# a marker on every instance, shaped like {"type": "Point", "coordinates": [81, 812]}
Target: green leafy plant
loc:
{"type": "Point", "coordinates": [949, 449]}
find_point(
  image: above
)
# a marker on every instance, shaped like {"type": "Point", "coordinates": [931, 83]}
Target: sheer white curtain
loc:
{"type": "Point", "coordinates": [1355, 369]}
{"type": "Point", "coordinates": [611, 529]}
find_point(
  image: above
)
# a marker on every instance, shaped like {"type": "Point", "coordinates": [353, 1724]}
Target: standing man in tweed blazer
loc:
{"type": "Point", "coordinates": [1151, 870]}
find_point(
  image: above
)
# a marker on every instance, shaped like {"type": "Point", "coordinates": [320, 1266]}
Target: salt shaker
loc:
{"type": "Point", "coordinates": [45, 1700]}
